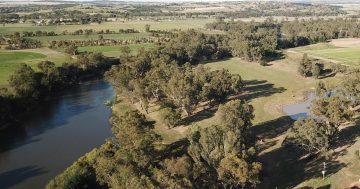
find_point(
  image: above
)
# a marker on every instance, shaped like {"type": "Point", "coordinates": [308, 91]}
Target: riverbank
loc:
{"type": "Point", "coordinates": [29, 89]}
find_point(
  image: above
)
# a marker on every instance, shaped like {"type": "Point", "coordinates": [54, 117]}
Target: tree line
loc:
{"type": "Point", "coordinates": [105, 42]}
{"type": "Point", "coordinates": [16, 42]}
{"type": "Point", "coordinates": [256, 41]}
{"type": "Point", "coordinates": [29, 87]}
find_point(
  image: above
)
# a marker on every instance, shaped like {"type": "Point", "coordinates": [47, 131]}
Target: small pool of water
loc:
{"type": "Point", "coordinates": [298, 110]}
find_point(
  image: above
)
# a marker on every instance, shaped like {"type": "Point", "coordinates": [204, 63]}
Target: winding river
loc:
{"type": "Point", "coordinates": [53, 138]}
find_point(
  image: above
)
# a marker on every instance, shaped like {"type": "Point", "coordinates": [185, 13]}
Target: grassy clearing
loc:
{"type": "Point", "coordinates": [135, 24]}
{"type": "Point", "coordinates": [349, 56]}
{"type": "Point", "coordinates": [10, 60]}
{"type": "Point", "coordinates": [269, 87]}
{"type": "Point", "coordinates": [345, 55]}
{"type": "Point", "coordinates": [114, 51]}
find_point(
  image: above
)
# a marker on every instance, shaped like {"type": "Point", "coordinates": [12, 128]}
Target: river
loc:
{"type": "Point", "coordinates": [66, 128]}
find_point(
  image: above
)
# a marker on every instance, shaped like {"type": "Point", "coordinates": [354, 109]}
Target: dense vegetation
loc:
{"type": "Point", "coordinates": [260, 40]}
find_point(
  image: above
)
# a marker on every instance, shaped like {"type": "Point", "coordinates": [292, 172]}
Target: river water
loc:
{"type": "Point", "coordinates": [62, 131]}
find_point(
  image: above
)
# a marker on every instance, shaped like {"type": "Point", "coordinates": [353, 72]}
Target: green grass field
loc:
{"type": "Point", "coordinates": [115, 26]}
{"type": "Point", "coordinates": [344, 55]}
{"type": "Point", "coordinates": [114, 51]}
{"type": "Point", "coordinates": [10, 60]}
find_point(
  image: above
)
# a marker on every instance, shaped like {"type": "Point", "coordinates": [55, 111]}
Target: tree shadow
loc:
{"type": "Point", "coordinates": [253, 89]}
{"type": "Point", "coordinates": [259, 88]}
{"type": "Point", "coordinates": [327, 74]}
{"type": "Point", "coordinates": [199, 116]}
{"type": "Point", "coordinates": [278, 55]}
{"type": "Point", "coordinates": [286, 168]}
{"type": "Point", "coordinates": [273, 128]}
{"type": "Point", "coordinates": [15, 176]}
{"type": "Point", "coordinates": [346, 138]}
{"type": "Point", "coordinates": [174, 149]}
{"type": "Point", "coordinates": [328, 186]}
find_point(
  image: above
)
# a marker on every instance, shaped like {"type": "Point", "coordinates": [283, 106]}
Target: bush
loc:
{"type": "Point", "coordinates": [79, 175]}
{"type": "Point", "coordinates": [357, 153]}
{"type": "Point", "coordinates": [170, 117]}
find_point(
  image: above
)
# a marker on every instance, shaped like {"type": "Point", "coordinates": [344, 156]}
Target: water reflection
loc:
{"type": "Point", "coordinates": [299, 110]}
{"type": "Point", "coordinates": [56, 135]}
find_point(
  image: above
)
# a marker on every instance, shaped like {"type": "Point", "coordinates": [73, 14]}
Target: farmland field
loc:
{"type": "Point", "coordinates": [349, 55]}
{"type": "Point", "coordinates": [10, 60]}
{"type": "Point", "coordinates": [115, 26]}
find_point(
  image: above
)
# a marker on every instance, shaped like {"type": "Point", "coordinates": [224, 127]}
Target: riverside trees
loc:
{"type": "Point", "coordinates": [217, 156]}
{"type": "Point", "coordinates": [29, 87]}
{"type": "Point", "coordinates": [333, 107]}
{"type": "Point", "coordinates": [167, 73]}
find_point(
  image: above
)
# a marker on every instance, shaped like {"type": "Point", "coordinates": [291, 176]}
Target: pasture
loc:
{"type": "Point", "coordinates": [10, 60]}
{"type": "Point", "coordinates": [139, 25]}
{"type": "Point", "coordinates": [343, 53]}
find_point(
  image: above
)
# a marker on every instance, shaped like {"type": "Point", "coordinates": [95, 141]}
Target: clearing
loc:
{"type": "Point", "coordinates": [10, 60]}
{"type": "Point", "coordinates": [344, 51]}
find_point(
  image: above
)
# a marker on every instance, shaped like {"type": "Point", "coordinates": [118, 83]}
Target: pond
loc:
{"type": "Point", "coordinates": [298, 110]}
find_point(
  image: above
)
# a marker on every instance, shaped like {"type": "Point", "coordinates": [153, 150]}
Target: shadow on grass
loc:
{"type": "Point", "coordinates": [347, 137]}
{"type": "Point", "coordinates": [259, 88]}
{"type": "Point", "coordinates": [253, 89]}
{"type": "Point", "coordinates": [273, 128]}
{"type": "Point", "coordinates": [174, 149]}
{"type": "Point", "coordinates": [286, 168]}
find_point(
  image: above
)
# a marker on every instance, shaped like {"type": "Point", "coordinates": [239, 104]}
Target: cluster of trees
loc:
{"type": "Point", "coordinates": [29, 87]}
{"type": "Point", "coordinates": [267, 9]}
{"type": "Point", "coordinates": [248, 9]}
{"type": "Point", "coordinates": [218, 156]}
{"type": "Point", "coordinates": [333, 108]}
{"type": "Point", "coordinates": [15, 42]}
{"type": "Point", "coordinates": [91, 31]}
{"type": "Point", "coordinates": [105, 42]}
{"type": "Point", "coordinates": [297, 33]}
{"type": "Point", "coordinates": [249, 40]}
{"type": "Point", "coordinates": [166, 74]}
{"type": "Point", "coordinates": [256, 41]}
{"type": "Point", "coordinates": [307, 68]}
{"type": "Point", "coordinates": [65, 17]}
{"type": "Point", "coordinates": [30, 8]}
{"type": "Point", "coordinates": [9, 18]}
{"type": "Point", "coordinates": [38, 33]}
